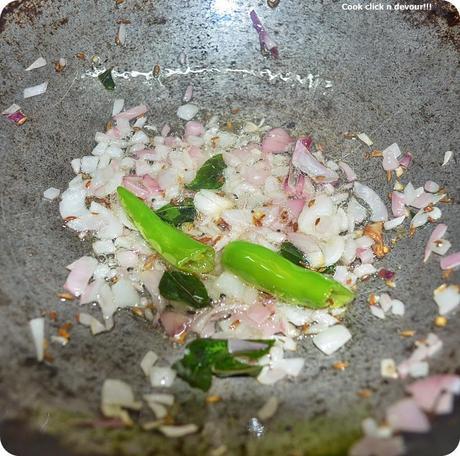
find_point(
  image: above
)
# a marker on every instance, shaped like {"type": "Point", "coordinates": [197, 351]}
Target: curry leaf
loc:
{"type": "Point", "coordinates": [107, 80]}
{"type": "Point", "coordinates": [176, 214]}
{"type": "Point", "coordinates": [179, 286]}
{"type": "Point", "coordinates": [292, 253]}
{"type": "Point", "coordinates": [210, 175]}
{"type": "Point", "coordinates": [205, 357]}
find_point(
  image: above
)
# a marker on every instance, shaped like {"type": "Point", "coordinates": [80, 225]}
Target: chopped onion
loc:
{"type": "Point", "coordinates": [174, 323]}
{"type": "Point", "coordinates": [37, 328]}
{"type": "Point", "coordinates": [405, 416]}
{"type": "Point", "coordinates": [117, 392]}
{"type": "Point", "coordinates": [160, 398]}
{"type": "Point", "coordinates": [388, 368]}
{"type": "Point", "coordinates": [436, 235]}
{"type": "Point", "coordinates": [447, 156]}
{"type": "Point", "coordinates": [431, 187]}
{"type": "Point", "coordinates": [81, 272]}
{"type": "Point", "coordinates": [268, 409]}
{"type": "Point", "coordinates": [124, 294]}
{"type": "Point", "coordinates": [349, 173]}
{"type": "Point", "coordinates": [406, 160]}
{"type": "Point", "coordinates": [365, 139]}
{"type": "Point", "coordinates": [397, 307]}
{"type": "Point", "coordinates": [117, 106]}
{"type": "Point", "coordinates": [40, 62]}
{"type": "Point", "coordinates": [451, 261]}
{"type": "Point", "coordinates": [393, 223]}
{"type": "Point", "coordinates": [51, 193]}
{"type": "Point", "coordinates": [194, 128]}
{"type": "Point", "coordinates": [267, 45]}
{"type": "Point", "coordinates": [36, 90]}
{"type": "Point", "coordinates": [132, 113]}
{"type": "Point", "coordinates": [178, 431]}
{"type": "Point", "coordinates": [162, 376]}
{"type": "Point", "coordinates": [276, 141]}
{"type": "Point", "coordinates": [121, 35]}
{"type": "Point", "coordinates": [307, 163]}
{"type": "Point", "coordinates": [441, 247]}
{"type": "Point", "coordinates": [398, 204]}
{"type": "Point", "coordinates": [149, 359]}
{"type": "Point", "coordinates": [390, 157]}
{"type": "Point", "coordinates": [375, 446]}
{"type": "Point", "coordinates": [209, 203]}
{"type": "Point", "coordinates": [376, 205]}
{"type": "Point", "coordinates": [187, 111]}
{"type": "Point", "coordinates": [447, 298]}
{"type": "Point", "coordinates": [188, 93]}
{"type": "Point", "coordinates": [94, 324]}
{"type": "Point", "coordinates": [331, 339]}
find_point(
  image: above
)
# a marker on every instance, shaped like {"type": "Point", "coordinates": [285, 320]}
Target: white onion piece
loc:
{"type": "Point", "coordinates": [51, 193]}
{"type": "Point", "coordinates": [431, 186]}
{"type": "Point", "coordinates": [376, 446]}
{"type": "Point", "coordinates": [377, 312]}
{"type": "Point", "coordinates": [40, 62]}
{"type": "Point", "coordinates": [390, 157]}
{"type": "Point", "coordinates": [291, 366]}
{"type": "Point", "coordinates": [94, 324]}
{"type": "Point", "coordinates": [393, 223]}
{"type": "Point", "coordinates": [188, 94]}
{"type": "Point", "coordinates": [276, 141]}
{"type": "Point", "coordinates": [447, 156]}
{"type": "Point", "coordinates": [209, 203]}
{"type": "Point", "coordinates": [178, 431]}
{"type": "Point", "coordinates": [376, 205]}
{"type": "Point", "coordinates": [89, 164]}
{"type": "Point", "coordinates": [149, 359]}
{"type": "Point", "coordinates": [447, 298]}
{"type": "Point", "coordinates": [365, 139]}
{"type": "Point", "coordinates": [307, 163]}
{"type": "Point", "coordinates": [333, 250]}
{"type": "Point", "coordinates": [162, 376]}
{"type": "Point", "coordinates": [269, 376]}
{"type": "Point", "coordinates": [268, 409]}
{"type": "Point", "coordinates": [450, 262]}
{"type": "Point", "coordinates": [117, 106]}
{"type": "Point", "coordinates": [187, 111]}
{"type": "Point", "coordinates": [160, 398]}
{"type": "Point", "coordinates": [81, 272]}
{"type": "Point", "coordinates": [121, 35]}
{"type": "Point", "coordinates": [364, 270]}
{"type": "Point", "coordinates": [441, 247]}
{"type": "Point", "coordinates": [132, 113]}
{"type": "Point", "coordinates": [411, 193]}
{"type": "Point", "coordinates": [349, 173]}
{"type": "Point", "coordinates": [419, 369]}
{"type": "Point", "coordinates": [445, 404]}
{"type": "Point", "coordinates": [75, 163]}
{"type": "Point", "coordinates": [331, 339]}
{"type": "Point", "coordinates": [124, 294]}
{"type": "Point", "coordinates": [356, 211]}
{"type": "Point", "coordinates": [397, 204]}
{"type": "Point", "coordinates": [436, 235]}
{"type": "Point", "coordinates": [405, 416]}
{"type": "Point", "coordinates": [397, 307]}
{"type": "Point", "coordinates": [35, 90]}
{"type": "Point", "coordinates": [37, 329]}
{"type": "Point", "coordinates": [117, 392]}
{"type": "Point", "coordinates": [159, 410]}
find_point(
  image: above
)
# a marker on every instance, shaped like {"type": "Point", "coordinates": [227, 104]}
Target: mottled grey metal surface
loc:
{"type": "Point", "coordinates": [394, 75]}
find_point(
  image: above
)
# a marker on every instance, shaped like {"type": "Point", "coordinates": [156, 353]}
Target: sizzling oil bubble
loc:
{"type": "Point", "coordinates": [311, 81]}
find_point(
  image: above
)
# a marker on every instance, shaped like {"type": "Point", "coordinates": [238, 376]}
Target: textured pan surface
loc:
{"type": "Point", "coordinates": [394, 76]}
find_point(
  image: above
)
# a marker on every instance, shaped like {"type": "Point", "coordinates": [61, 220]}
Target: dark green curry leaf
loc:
{"type": "Point", "coordinates": [210, 175]}
{"type": "Point", "coordinates": [107, 80]}
{"type": "Point", "coordinates": [205, 357]}
{"type": "Point", "coordinates": [179, 213]}
{"type": "Point", "coordinates": [179, 286]}
{"type": "Point", "coordinates": [292, 253]}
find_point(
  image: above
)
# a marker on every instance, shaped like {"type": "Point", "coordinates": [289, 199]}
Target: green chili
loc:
{"type": "Point", "coordinates": [270, 272]}
{"type": "Point", "coordinates": [173, 245]}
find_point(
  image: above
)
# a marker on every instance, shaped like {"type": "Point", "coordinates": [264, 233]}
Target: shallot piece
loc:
{"type": "Point", "coordinates": [307, 163]}
{"type": "Point", "coordinates": [187, 111]}
{"type": "Point", "coordinates": [188, 94]}
{"type": "Point", "coordinates": [447, 297]}
{"type": "Point", "coordinates": [406, 416]}
{"type": "Point", "coordinates": [331, 339]}
{"type": "Point", "coordinates": [436, 235]}
{"type": "Point", "coordinates": [447, 156]}
{"type": "Point", "coordinates": [267, 45]}
{"type": "Point", "coordinates": [406, 160]}
{"type": "Point", "coordinates": [378, 209]}
{"type": "Point", "coordinates": [349, 173]}
{"type": "Point", "coordinates": [37, 328]}
{"type": "Point", "coordinates": [132, 113]}
{"type": "Point", "coordinates": [451, 261]}
{"type": "Point", "coordinates": [35, 90]}
{"type": "Point", "coordinates": [14, 114]}
{"type": "Point", "coordinates": [276, 141]}
{"type": "Point", "coordinates": [397, 204]}
{"type": "Point", "coordinates": [40, 62]}
{"type": "Point", "coordinates": [81, 272]}
{"type": "Point", "coordinates": [390, 157]}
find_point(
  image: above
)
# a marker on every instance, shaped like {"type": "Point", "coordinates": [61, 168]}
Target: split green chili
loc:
{"type": "Point", "coordinates": [270, 272]}
{"type": "Point", "coordinates": [172, 244]}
